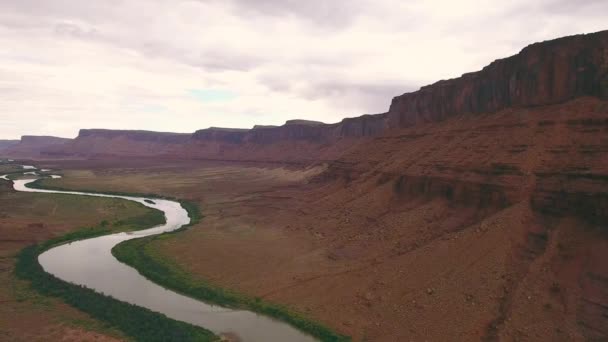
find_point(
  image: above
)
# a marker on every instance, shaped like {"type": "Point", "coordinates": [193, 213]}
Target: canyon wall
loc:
{"type": "Point", "coordinates": [136, 135]}
{"type": "Point", "coordinates": [4, 144]}
{"type": "Point", "coordinates": [541, 74]}
{"type": "Point", "coordinates": [546, 73]}
{"type": "Point", "coordinates": [298, 130]}
{"type": "Point", "coordinates": [295, 141]}
{"type": "Point", "coordinates": [31, 146]}
{"type": "Point", "coordinates": [125, 143]}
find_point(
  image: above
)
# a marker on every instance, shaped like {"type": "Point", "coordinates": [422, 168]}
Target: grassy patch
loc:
{"type": "Point", "coordinates": [10, 168]}
{"type": "Point", "coordinates": [150, 219]}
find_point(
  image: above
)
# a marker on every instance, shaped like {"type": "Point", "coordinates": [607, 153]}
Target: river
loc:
{"type": "Point", "coordinates": [91, 263]}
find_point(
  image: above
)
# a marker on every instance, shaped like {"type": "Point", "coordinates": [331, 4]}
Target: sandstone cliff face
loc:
{"type": "Point", "coordinates": [297, 130]}
{"type": "Point", "coordinates": [295, 140]}
{"type": "Point", "coordinates": [161, 137]}
{"type": "Point", "coordinates": [581, 194]}
{"type": "Point", "coordinates": [544, 73]}
{"type": "Point", "coordinates": [362, 126]}
{"type": "Point", "coordinates": [225, 135]}
{"type": "Point", "coordinates": [537, 174]}
{"type": "Point", "coordinates": [105, 142]}
{"type": "Point", "coordinates": [42, 140]}
{"type": "Point", "coordinates": [552, 156]}
{"type": "Point", "coordinates": [4, 144]}
{"type": "Point", "coordinates": [32, 146]}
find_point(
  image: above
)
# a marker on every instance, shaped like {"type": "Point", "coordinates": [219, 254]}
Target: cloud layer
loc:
{"type": "Point", "coordinates": [180, 65]}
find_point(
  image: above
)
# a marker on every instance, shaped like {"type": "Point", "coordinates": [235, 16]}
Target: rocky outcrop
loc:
{"type": "Point", "coordinates": [362, 126]}
{"type": "Point", "coordinates": [105, 142]}
{"type": "Point", "coordinates": [136, 135]}
{"type": "Point", "coordinates": [581, 194]}
{"type": "Point", "coordinates": [297, 130]}
{"type": "Point", "coordinates": [217, 134]}
{"type": "Point", "coordinates": [297, 141]}
{"type": "Point", "coordinates": [541, 74]}
{"type": "Point", "coordinates": [4, 144]}
{"type": "Point", "coordinates": [303, 122]}
{"type": "Point", "coordinates": [552, 156]}
{"type": "Point", "coordinates": [544, 73]}
{"type": "Point", "coordinates": [303, 137]}
{"type": "Point", "coordinates": [42, 140]}
{"type": "Point", "coordinates": [476, 194]}
{"type": "Point", "coordinates": [31, 146]}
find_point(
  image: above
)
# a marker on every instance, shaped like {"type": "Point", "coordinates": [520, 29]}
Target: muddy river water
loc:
{"type": "Point", "coordinates": [90, 263]}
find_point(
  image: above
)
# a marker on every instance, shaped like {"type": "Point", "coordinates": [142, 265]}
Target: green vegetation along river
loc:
{"type": "Point", "coordinates": [90, 263]}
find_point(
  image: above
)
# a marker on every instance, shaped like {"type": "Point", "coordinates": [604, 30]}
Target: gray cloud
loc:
{"type": "Point", "coordinates": [332, 14]}
{"type": "Point", "coordinates": [225, 60]}
{"type": "Point", "coordinates": [92, 11]}
{"type": "Point", "coordinates": [374, 97]}
{"type": "Point", "coordinates": [108, 63]}
{"type": "Point", "coordinates": [76, 31]}
{"type": "Point", "coordinates": [569, 7]}
{"type": "Point", "coordinates": [276, 83]}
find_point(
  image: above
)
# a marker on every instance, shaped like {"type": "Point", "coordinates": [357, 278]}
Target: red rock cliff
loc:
{"type": "Point", "coordinates": [32, 146]}
{"type": "Point", "coordinates": [297, 130]}
{"type": "Point", "coordinates": [544, 73]}
{"type": "Point", "coordinates": [106, 142]}
{"type": "Point", "coordinates": [550, 72]}
{"type": "Point", "coordinates": [4, 144]}
{"type": "Point", "coordinates": [136, 135]}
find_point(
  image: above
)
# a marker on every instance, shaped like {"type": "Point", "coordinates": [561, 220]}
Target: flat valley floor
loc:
{"type": "Point", "coordinates": [370, 264]}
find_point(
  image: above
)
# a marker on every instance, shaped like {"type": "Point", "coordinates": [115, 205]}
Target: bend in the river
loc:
{"type": "Point", "coordinates": [90, 263]}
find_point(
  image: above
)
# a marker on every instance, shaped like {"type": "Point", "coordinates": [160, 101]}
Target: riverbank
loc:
{"type": "Point", "coordinates": [175, 279]}
{"type": "Point", "coordinates": [136, 322]}
{"type": "Point", "coordinates": [285, 253]}
{"type": "Point", "coordinates": [29, 218]}
{"type": "Point", "coordinates": [140, 255]}
{"type": "Point", "coordinates": [94, 255]}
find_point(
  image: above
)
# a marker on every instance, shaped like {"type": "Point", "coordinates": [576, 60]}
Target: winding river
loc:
{"type": "Point", "coordinates": [90, 263]}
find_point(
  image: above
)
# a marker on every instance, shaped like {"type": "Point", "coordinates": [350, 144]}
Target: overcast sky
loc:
{"type": "Point", "coordinates": [182, 65]}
